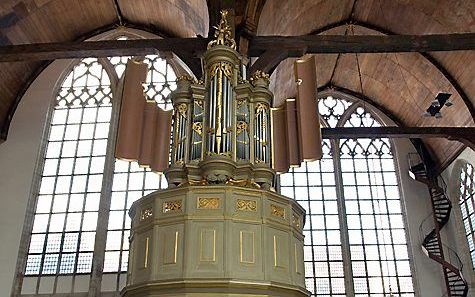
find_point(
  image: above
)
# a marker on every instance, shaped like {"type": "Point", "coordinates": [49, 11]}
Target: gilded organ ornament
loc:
{"type": "Point", "coordinates": [223, 33]}
{"type": "Point", "coordinates": [221, 127]}
{"type": "Point", "coordinates": [171, 206]}
{"type": "Point", "coordinates": [246, 205]}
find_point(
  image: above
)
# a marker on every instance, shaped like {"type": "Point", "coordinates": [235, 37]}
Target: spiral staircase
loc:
{"type": "Point", "coordinates": [432, 244]}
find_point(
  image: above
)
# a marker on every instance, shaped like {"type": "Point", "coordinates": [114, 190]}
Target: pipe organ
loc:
{"type": "Point", "coordinates": [219, 229]}
{"type": "Point", "coordinates": [221, 127]}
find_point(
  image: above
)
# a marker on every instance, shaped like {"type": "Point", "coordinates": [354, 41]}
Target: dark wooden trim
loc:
{"type": "Point", "coordinates": [268, 61]}
{"type": "Point", "coordinates": [98, 49]}
{"type": "Point", "coordinates": [294, 46]}
{"type": "Point", "coordinates": [333, 44]}
{"type": "Point", "coordinates": [451, 133]}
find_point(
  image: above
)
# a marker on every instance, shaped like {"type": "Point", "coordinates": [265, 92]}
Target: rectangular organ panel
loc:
{"type": "Point", "coordinates": [170, 247]}
{"type": "Point", "coordinates": [143, 255]}
{"type": "Point", "coordinates": [205, 249]}
{"type": "Point", "coordinates": [208, 245]}
{"type": "Point", "coordinates": [279, 255]}
{"type": "Point", "coordinates": [170, 251]}
{"type": "Point", "coordinates": [247, 247]}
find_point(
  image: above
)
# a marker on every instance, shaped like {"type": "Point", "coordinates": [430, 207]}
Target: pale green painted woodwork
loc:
{"type": "Point", "coordinates": [227, 240]}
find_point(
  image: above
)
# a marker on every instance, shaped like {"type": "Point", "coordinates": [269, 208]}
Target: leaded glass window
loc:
{"type": "Point", "coordinates": [77, 160]}
{"type": "Point", "coordinates": [63, 234]}
{"type": "Point", "coordinates": [358, 222]}
{"type": "Point", "coordinates": [467, 206]}
{"type": "Point", "coordinates": [130, 181]}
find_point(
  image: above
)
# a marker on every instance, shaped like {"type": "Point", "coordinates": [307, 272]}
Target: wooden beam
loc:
{"type": "Point", "coordinates": [294, 46]}
{"type": "Point", "coordinates": [268, 61]}
{"type": "Point", "coordinates": [106, 48]}
{"type": "Point", "coordinates": [332, 44]}
{"type": "Point", "coordinates": [465, 135]}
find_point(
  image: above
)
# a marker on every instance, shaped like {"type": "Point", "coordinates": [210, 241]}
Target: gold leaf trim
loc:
{"type": "Point", "coordinates": [208, 203]}
{"type": "Point", "coordinates": [246, 205]}
{"type": "Point", "coordinates": [171, 206]}
{"type": "Point", "coordinates": [277, 211]}
{"type": "Point", "coordinates": [296, 221]}
{"type": "Point", "coordinates": [223, 33]}
{"type": "Point", "coordinates": [146, 213]}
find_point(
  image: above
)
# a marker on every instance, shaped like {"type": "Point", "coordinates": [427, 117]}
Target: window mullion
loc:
{"type": "Point", "coordinates": [105, 200]}
{"type": "Point", "coordinates": [345, 243]}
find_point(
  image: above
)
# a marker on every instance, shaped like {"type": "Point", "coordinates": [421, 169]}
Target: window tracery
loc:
{"type": "Point", "coordinates": [365, 206]}
{"type": "Point", "coordinates": [467, 206]}
{"type": "Point", "coordinates": [71, 188]}
{"type": "Point", "coordinates": [64, 227]}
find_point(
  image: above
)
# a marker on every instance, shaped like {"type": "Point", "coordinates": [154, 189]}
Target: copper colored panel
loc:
{"type": "Point", "coordinates": [162, 140]}
{"type": "Point", "coordinates": [148, 133]}
{"type": "Point", "coordinates": [292, 131]}
{"type": "Point", "coordinates": [129, 133]}
{"type": "Point", "coordinates": [279, 140]}
{"type": "Point", "coordinates": [310, 137]}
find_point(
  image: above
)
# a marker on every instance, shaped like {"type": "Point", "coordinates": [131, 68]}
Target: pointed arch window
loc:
{"type": "Point", "coordinates": [355, 239]}
{"type": "Point", "coordinates": [467, 206]}
{"type": "Point", "coordinates": [79, 175]}
{"type": "Point", "coordinates": [63, 234]}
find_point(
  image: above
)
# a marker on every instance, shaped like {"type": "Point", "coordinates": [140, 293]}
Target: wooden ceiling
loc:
{"type": "Point", "coordinates": [401, 84]}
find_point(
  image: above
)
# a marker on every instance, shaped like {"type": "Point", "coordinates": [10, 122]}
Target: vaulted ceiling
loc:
{"type": "Point", "coordinates": [400, 84]}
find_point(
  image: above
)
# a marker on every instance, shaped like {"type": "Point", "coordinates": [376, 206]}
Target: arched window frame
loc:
{"type": "Point", "coordinates": [458, 236]}
{"type": "Point", "coordinates": [97, 274]}
{"type": "Point", "coordinates": [383, 120]}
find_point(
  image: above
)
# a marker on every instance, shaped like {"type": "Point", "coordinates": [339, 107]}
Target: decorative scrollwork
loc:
{"type": "Point", "coordinates": [146, 213]}
{"type": "Point", "coordinates": [240, 102]}
{"type": "Point", "coordinates": [225, 67]}
{"type": "Point", "coordinates": [246, 205]}
{"type": "Point", "coordinates": [186, 78]}
{"type": "Point", "coordinates": [223, 33]}
{"type": "Point", "coordinates": [260, 107]}
{"type": "Point", "coordinates": [171, 206]}
{"type": "Point", "coordinates": [182, 109]}
{"type": "Point", "coordinates": [199, 103]}
{"type": "Point", "coordinates": [259, 74]}
{"type": "Point", "coordinates": [247, 183]}
{"type": "Point", "coordinates": [277, 211]}
{"type": "Point", "coordinates": [208, 203]}
{"type": "Point", "coordinates": [241, 127]}
{"type": "Point", "coordinates": [198, 128]}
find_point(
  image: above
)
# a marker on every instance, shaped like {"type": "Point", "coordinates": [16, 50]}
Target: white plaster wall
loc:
{"type": "Point", "coordinates": [18, 158]}
{"type": "Point", "coordinates": [454, 233]}
{"type": "Point", "coordinates": [416, 202]}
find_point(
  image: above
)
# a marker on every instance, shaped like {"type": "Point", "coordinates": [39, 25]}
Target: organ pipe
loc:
{"type": "Point", "coordinates": [218, 119]}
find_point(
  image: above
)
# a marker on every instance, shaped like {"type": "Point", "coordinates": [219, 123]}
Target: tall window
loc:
{"type": "Point", "coordinates": [75, 164]}
{"type": "Point", "coordinates": [467, 206]}
{"type": "Point", "coordinates": [354, 214]}
{"type": "Point", "coordinates": [63, 232]}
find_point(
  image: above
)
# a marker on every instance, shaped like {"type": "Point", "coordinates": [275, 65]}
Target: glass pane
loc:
{"type": "Point", "coordinates": [82, 112]}
{"type": "Point", "coordinates": [373, 212]}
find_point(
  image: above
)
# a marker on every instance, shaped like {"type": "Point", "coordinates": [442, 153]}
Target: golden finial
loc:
{"type": "Point", "coordinates": [260, 75]}
{"type": "Point", "coordinates": [223, 33]}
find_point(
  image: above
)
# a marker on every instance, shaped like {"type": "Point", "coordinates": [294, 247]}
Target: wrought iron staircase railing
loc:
{"type": "Point", "coordinates": [431, 243]}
